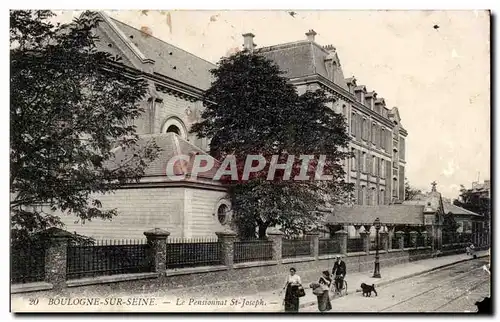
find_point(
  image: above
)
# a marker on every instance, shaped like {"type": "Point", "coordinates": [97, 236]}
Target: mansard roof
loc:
{"type": "Point", "coordinates": [302, 58]}
{"type": "Point", "coordinates": [166, 59]}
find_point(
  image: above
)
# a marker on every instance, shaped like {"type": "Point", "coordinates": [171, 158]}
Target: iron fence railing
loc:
{"type": "Point", "coordinates": [27, 263]}
{"type": "Point", "coordinates": [373, 244]}
{"type": "Point", "coordinates": [407, 241]}
{"type": "Point", "coordinates": [395, 243]}
{"type": "Point", "coordinates": [193, 252]}
{"type": "Point", "coordinates": [421, 241]}
{"type": "Point", "coordinates": [296, 247]}
{"type": "Point", "coordinates": [108, 258]}
{"type": "Point", "coordinates": [329, 246]}
{"type": "Point", "coordinates": [252, 250]}
{"type": "Point", "coordinates": [355, 245]}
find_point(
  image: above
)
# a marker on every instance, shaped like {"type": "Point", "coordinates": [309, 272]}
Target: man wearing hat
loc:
{"type": "Point", "coordinates": [339, 271]}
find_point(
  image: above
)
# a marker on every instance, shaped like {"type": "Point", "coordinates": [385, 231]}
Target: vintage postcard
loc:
{"type": "Point", "coordinates": [250, 161]}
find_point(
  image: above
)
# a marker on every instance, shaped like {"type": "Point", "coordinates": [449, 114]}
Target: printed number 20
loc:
{"type": "Point", "coordinates": [33, 301]}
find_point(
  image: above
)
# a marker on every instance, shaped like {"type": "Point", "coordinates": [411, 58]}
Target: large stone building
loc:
{"type": "Point", "coordinates": [177, 79]}
{"type": "Point", "coordinates": [378, 138]}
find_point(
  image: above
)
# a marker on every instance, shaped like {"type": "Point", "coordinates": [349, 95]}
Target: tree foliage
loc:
{"type": "Point", "coordinates": [475, 201]}
{"type": "Point", "coordinates": [449, 224]}
{"type": "Point", "coordinates": [251, 109]}
{"type": "Point", "coordinates": [410, 192]}
{"type": "Point", "coordinates": [70, 106]}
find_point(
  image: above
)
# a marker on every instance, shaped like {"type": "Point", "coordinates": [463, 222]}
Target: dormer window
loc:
{"type": "Point", "coordinates": [360, 93]}
{"type": "Point", "coordinates": [351, 84]}
{"type": "Point", "coordinates": [331, 66]}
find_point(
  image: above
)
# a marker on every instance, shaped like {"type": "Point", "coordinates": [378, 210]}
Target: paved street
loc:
{"type": "Point", "coordinates": [452, 289]}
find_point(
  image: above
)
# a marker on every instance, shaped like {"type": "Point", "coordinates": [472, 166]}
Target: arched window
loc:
{"type": "Point", "coordinates": [175, 125]}
{"type": "Point", "coordinates": [173, 129]}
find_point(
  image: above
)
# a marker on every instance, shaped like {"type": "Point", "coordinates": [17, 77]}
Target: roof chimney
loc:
{"type": "Point", "coordinates": [248, 43]}
{"type": "Point", "coordinates": [311, 34]}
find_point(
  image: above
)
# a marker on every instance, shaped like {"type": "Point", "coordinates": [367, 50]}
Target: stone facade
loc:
{"type": "Point", "coordinates": [183, 211]}
{"type": "Point", "coordinates": [378, 138]}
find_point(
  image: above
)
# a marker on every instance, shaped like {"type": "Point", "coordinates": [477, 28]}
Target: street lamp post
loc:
{"type": "Point", "coordinates": [376, 272]}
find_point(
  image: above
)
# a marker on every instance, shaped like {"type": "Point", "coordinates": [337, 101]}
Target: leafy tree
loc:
{"type": "Point", "coordinates": [251, 109]}
{"type": "Point", "coordinates": [410, 192]}
{"type": "Point", "coordinates": [449, 224]}
{"type": "Point", "coordinates": [475, 201]}
{"type": "Point", "coordinates": [70, 105]}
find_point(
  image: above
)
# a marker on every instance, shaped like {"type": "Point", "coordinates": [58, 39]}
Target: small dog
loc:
{"type": "Point", "coordinates": [368, 289]}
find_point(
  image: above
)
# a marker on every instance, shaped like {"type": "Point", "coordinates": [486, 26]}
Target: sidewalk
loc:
{"type": "Point", "coordinates": [389, 275]}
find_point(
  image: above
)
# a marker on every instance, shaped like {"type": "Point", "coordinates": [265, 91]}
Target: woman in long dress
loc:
{"type": "Point", "coordinates": [324, 303]}
{"type": "Point", "coordinates": [291, 291]}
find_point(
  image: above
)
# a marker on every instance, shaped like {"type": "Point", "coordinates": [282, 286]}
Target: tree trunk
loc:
{"type": "Point", "coordinates": [262, 229]}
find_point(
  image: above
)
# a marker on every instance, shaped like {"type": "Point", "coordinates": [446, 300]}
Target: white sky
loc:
{"type": "Point", "coordinates": [439, 79]}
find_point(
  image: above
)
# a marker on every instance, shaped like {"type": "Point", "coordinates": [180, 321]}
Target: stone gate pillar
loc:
{"type": "Point", "coordinates": [276, 236]}
{"type": "Point", "coordinates": [341, 237]}
{"type": "Point", "coordinates": [56, 259]}
{"type": "Point", "coordinates": [384, 242]}
{"type": "Point", "coordinates": [226, 239]}
{"type": "Point", "coordinates": [314, 238]}
{"type": "Point", "coordinates": [413, 238]}
{"type": "Point", "coordinates": [400, 235]}
{"type": "Point", "coordinates": [157, 241]}
{"type": "Point", "coordinates": [365, 237]}
{"type": "Point", "coordinates": [390, 231]}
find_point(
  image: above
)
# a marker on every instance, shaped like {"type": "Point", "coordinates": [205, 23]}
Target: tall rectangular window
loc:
{"type": "Point", "coordinates": [353, 124]}
{"type": "Point", "coordinates": [366, 129]}
{"type": "Point", "coordinates": [382, 138]}
{"type": "Point", "coordinates": [354, 159]}
{"type": "Point", "coordinates": [374, 166]}
{"type": "Point", "coordinates": [374, 132]}
{"type": "Point", "coordinates": [363, 160]}
{"type": "Point", "coordinates": [402, 148]}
